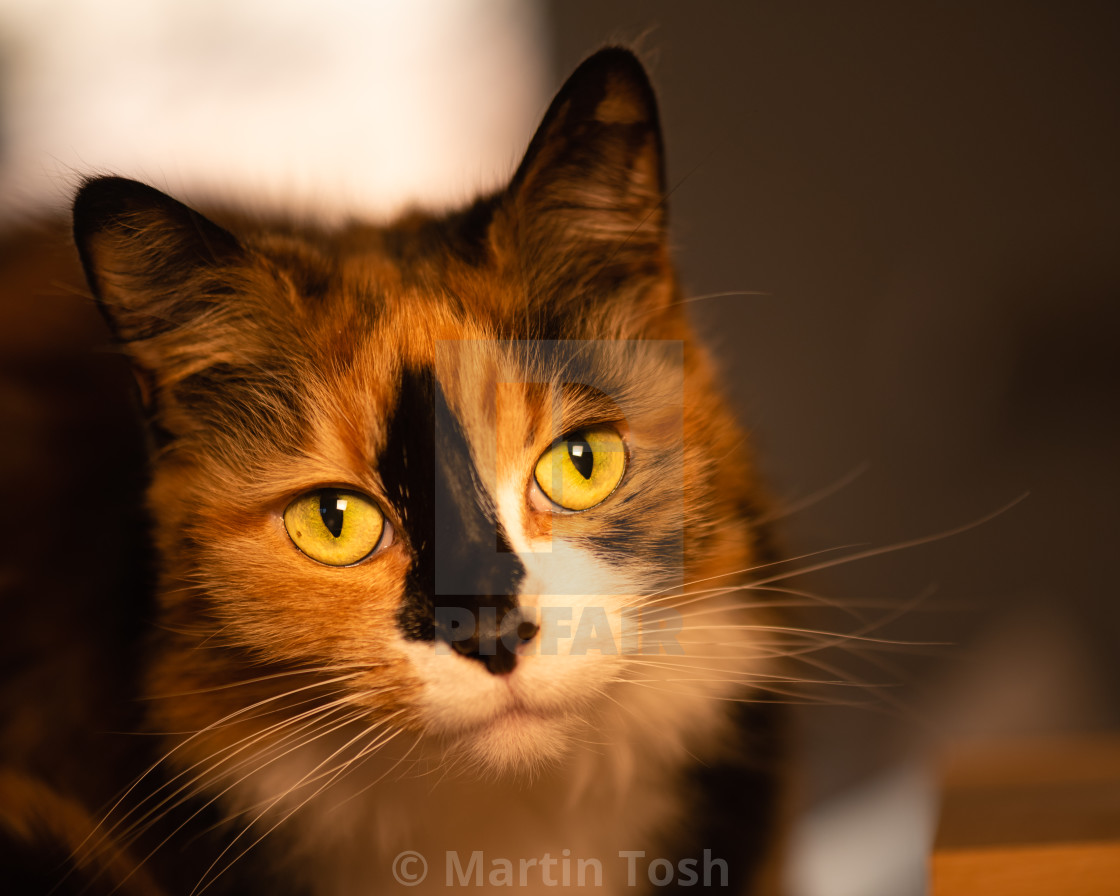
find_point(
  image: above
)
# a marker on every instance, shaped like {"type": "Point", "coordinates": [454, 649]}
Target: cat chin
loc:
{"type": "Point", "coordinates": [515, 744]}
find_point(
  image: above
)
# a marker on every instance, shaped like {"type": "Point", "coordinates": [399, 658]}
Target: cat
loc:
{"type": "Point", "coordinates": [442, 577]}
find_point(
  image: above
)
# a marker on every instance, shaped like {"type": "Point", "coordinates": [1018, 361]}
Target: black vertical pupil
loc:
{"type": "Point", "coordinates": [579, 451]}
{"type": "Point", "coordinates": [328, 510]}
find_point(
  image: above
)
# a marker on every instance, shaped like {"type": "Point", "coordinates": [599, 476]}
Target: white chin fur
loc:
{"type": "Point", "coordinates": [520, 723]}
{"type": "Point", "coordinates": [518, 744]}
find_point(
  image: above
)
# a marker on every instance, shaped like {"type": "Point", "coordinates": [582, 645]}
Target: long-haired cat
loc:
{"type": "Point", "coordinates": [450, 537]}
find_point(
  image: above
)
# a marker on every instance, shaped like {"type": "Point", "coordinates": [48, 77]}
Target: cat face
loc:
{"type": "Point", "coordinates": [455, 479]}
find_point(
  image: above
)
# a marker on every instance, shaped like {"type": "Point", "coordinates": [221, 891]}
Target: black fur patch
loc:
{"type": "Point", "coordinates": [461, 558]}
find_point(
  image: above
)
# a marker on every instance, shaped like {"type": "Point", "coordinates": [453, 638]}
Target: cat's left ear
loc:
{"type": "Point", "coordinates": [589, 195]}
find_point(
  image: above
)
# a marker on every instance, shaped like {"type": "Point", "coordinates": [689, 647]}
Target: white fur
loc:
{"type": "Point", "coordinates": [613, 787]}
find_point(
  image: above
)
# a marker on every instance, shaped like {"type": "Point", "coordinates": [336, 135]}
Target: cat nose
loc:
{"type": "Point", "coordinates": [494, 641]}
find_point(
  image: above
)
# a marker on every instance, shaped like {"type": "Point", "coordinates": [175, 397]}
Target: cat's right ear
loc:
{"type": "Point", "coordinates": [149, 260]}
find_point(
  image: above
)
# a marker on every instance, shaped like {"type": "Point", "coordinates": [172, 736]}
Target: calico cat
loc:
{"type": "Point", "coordinates": [451, 534]}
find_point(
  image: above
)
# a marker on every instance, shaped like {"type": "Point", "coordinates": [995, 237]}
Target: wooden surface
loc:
{"type": "Point", "coordinates": [1026, 819]}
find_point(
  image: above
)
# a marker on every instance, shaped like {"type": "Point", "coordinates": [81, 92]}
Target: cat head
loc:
{"type": "Point", "coordinates": [447, 477]}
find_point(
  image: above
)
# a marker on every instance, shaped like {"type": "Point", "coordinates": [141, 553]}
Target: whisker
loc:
{"type": "Point", "coordinates": [314, 670]}
{"type": "Point", "coordinates": [368, 751]}
{"type": "Point", "coordinates": [762, 696]}
{"type": "Point", "coordinates": [215, 798]}
{"type": "Point", "coordinates": [311, 776]}
{"type": "Point", "coordinates": [897, 546]}
{"type": "Point", "coordinates": [681, 589]}
{"type": "Point", "coordinates": [744, 674]}
{"type": "Point", "coordinates": [840, 637]}
{"type": "Point", "coordinates": [215, 760]}
{"type": "Point", "coordinates": [346, 720]}
{"type": "Point", "coordinates": [785, 511]}
{"type": "Point", "coordinates": [199, 888]}
{"type": "Point", "coordinates": [182, 744]}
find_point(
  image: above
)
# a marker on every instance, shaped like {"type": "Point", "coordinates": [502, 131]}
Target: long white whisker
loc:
{"type": "Point", "coordinates": [896, 547]}
{"type": "Point", "coordinates": [182, 744]}
{"type": "Point", "coordinates": [215, 760]}
{"type": "Point", "coordinates": [788, 510]}
{"type": "Point", "coordinates": [215, 797]}
{"type": "Point", "coordinates": [199, 888]}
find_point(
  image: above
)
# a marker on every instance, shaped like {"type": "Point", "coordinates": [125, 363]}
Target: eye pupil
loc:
{"type": "Point", "coordinates": [579, 452]}
{"type": "Point", "coordinates": [332, 509]}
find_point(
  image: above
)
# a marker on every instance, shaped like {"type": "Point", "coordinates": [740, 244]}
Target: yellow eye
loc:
{"type": "Point", "coordinates": [583, 468]}
{"type": "Point", "coordinates": [334, 526]}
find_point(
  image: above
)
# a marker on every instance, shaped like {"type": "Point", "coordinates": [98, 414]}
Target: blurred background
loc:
{"type": "Point", "coordinates": [901, 225]}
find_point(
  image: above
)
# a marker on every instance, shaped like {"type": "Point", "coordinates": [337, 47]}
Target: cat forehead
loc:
{"type": "Point", "coordinates": [339, 294]}
{"type": "Point", "coordinates": [502, 391]}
